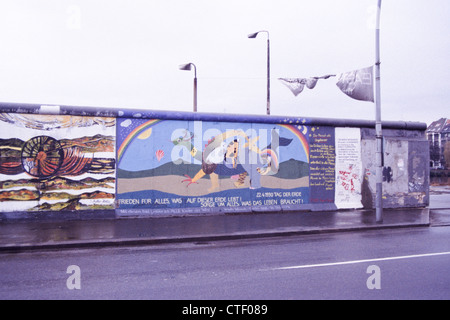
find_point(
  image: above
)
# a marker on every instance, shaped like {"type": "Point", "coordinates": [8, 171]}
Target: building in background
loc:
{"type": "Point", "coordinates": [438, 134]}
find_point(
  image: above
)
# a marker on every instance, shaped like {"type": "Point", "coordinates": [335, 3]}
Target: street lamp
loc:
{"type": "Point", "coordinates": [253, 36]}
{"type": "Point", "coordinates": [378, 125]}
{"type": "Point", "coordinates": [187, 67]}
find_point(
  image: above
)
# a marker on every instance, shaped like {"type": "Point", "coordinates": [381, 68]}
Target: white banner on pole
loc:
{"type": "Point", "coordinates": [357, 84]}
{"type": "Point", "coordinates": [296, 85]}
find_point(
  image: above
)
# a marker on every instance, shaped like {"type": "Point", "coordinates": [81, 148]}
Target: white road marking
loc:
{"type": "Point", "coordinates": [363, 261]}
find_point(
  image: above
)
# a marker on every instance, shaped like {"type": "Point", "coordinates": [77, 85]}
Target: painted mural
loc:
{"type": "Point", "coordinates": [56, 163]}
{"type": "Point", "coordinates": [135, 165]}
{"type": "Point", "coordinates": [199, 166]}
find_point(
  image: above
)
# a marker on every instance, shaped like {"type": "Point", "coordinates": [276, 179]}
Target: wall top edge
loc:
{"type": "Point", "coordinates": [51, 109]}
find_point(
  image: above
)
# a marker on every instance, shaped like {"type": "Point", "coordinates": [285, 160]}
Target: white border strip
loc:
{"type": "Point", "coordinates": [363, 261]}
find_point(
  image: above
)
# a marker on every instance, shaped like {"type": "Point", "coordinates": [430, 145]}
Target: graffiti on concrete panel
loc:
{"type": "Point", "coordinates": [348, 168]}
{"type": "Point", "coordinates": [387, 174]}
{"type": "Point", "coordinates": [50, 163]}
{"type": "Point", "coordinates": [164, 166]}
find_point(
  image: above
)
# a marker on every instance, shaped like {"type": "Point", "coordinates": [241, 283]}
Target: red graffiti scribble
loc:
{"type": "Point", "coordinates": [347, 178]}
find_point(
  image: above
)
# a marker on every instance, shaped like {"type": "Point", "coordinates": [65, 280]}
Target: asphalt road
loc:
{"type": "Point", "coordinates": [409, 264]}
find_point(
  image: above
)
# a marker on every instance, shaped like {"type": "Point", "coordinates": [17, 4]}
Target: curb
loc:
{"type": "Point", "coordinates": [130, 242]}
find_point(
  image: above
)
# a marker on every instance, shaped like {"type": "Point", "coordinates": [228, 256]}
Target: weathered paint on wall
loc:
{"type": "Point", "coordinates": [405, 175]}
{"type": "Point", "coordinates": [162, 163]}
{"type": "Point", "coordinates": [56, 163]}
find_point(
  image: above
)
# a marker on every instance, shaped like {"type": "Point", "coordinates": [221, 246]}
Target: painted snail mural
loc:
{"type": "Point", "coordinates": [48, 172]}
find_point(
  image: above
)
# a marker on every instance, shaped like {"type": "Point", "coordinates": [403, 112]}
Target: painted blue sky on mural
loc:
{"type": "Point", "coordinates": [142, 151]}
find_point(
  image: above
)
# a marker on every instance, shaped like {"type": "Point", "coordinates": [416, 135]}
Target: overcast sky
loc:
{"type": "Point", "coordinates": [117, 53]}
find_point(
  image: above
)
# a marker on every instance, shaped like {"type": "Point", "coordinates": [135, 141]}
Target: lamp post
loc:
{"type": "Point", "coordinates": [187, 67]}
{"type": "Point", "coordinates": [253, 36]}
{"type": "Point", "coordinates": [378, 127]}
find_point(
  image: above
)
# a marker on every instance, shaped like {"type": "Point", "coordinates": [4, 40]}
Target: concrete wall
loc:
{"type": "Point", "coordinates": [406, 177]}
{"type": "Point", "coordinates": [62, 159]}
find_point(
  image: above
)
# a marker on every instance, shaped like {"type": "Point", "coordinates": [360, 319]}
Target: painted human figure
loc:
{"type": "Point", "coordinates": [221, 158]}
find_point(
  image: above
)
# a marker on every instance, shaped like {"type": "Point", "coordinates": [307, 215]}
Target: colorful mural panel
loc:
{"type": "Point", "coordinates": [199, 166]}
{"type": "Point", "coordinates": [54, 163]}
{"type": "Point", "coordinates": [128, 162]}
{"type": "Point", "coordinates": [322, 164]}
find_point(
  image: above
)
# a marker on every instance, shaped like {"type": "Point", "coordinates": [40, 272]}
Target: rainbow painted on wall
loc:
{"type": "Point", "coordinates": [136, 132]}
{"type": "Point", "coordinates": [145, 126]}
{"type": "Point", "coordinates": [296, 131]}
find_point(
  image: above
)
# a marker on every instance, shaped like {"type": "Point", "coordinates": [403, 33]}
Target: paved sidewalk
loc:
{"type": "Point", "coordinates": [16, 236]}
{"type": "Point", "coordinates": [440, 205]}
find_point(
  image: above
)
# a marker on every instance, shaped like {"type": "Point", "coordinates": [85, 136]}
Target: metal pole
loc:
{"type": "Point", "coordinates": [195, 89]}
{"type": "Point", "coordinates": [268, 74]}
{"type": "Point", "coordinates": [378, 126]}
{"type": "Point", "coordinates": [188, 66]}
{"type": "Point", "coordinates": [253, 36]}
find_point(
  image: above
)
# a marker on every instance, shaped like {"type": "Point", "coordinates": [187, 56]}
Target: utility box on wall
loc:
{"type": "Point", "coordinates": [156, 163]}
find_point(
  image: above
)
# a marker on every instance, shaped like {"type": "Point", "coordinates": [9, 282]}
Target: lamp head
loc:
{"type": "Point", "coordinates": [187, 66]}
{"type": "Point", "coordinates": [253, 35]}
